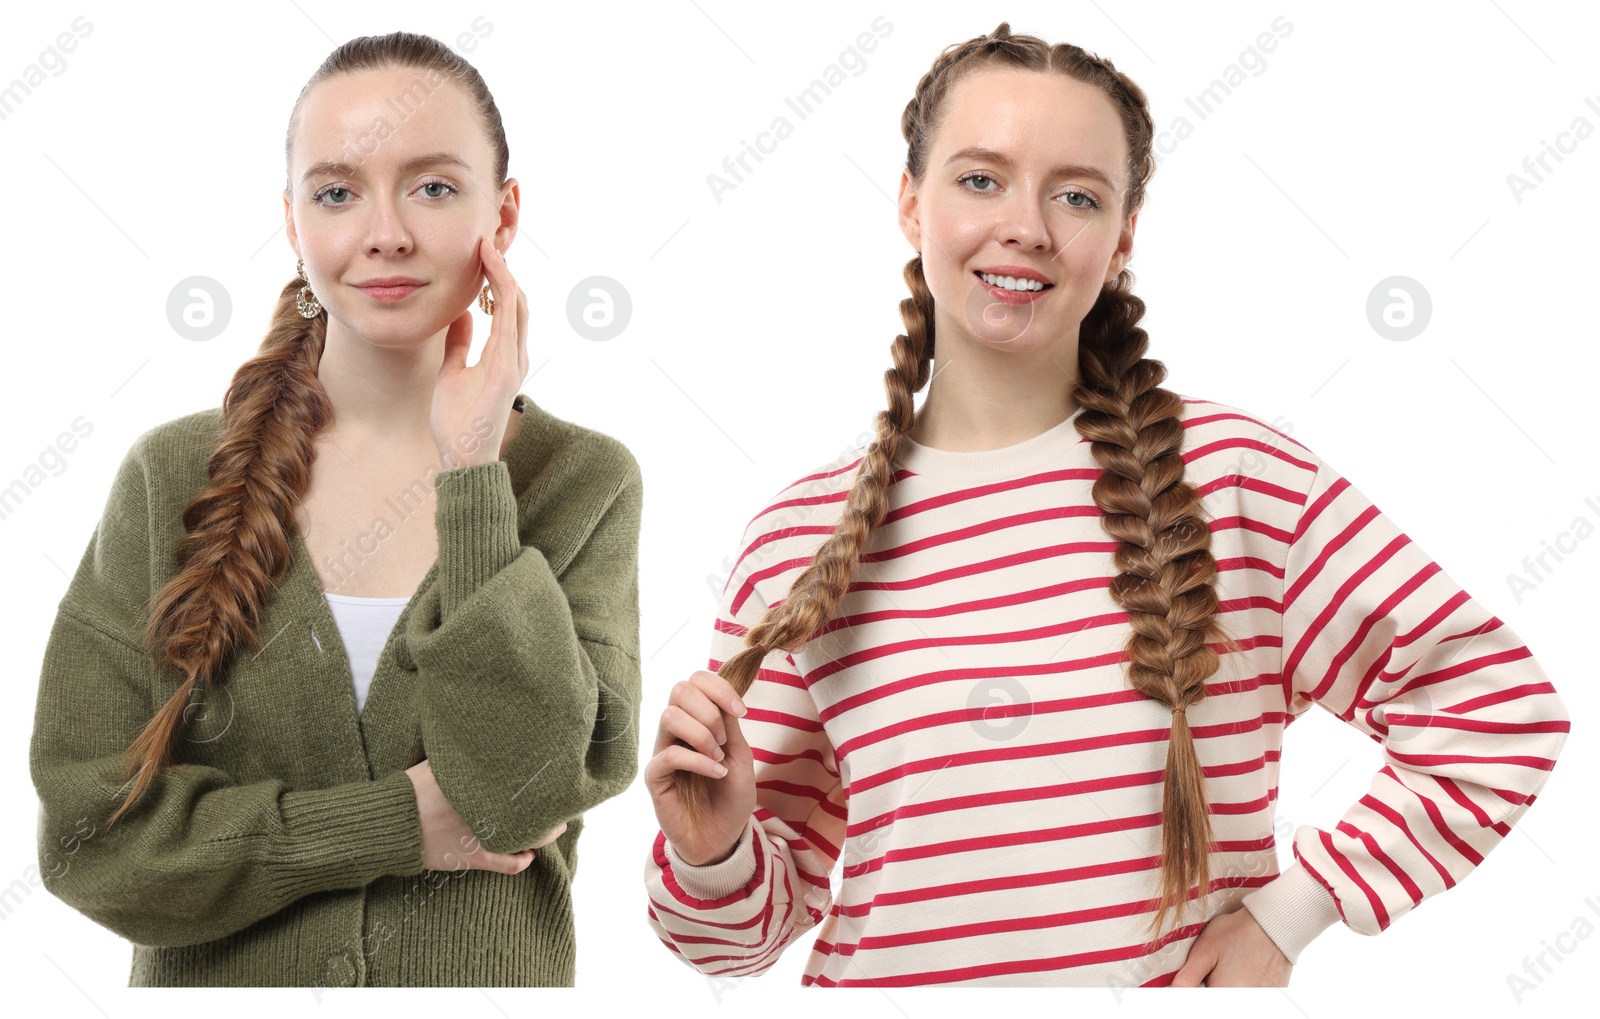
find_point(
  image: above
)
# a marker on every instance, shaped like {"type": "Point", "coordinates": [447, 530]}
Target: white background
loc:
{"type": "Point", "coordinates": [1375, 141]}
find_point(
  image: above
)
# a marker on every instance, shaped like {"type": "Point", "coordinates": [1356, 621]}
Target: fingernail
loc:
{"type": "Point", "coordinates": [720, 769]}
{"type": "Point", "coordinates": [720, 754]}
{"type": "Point", "coordinates": [738, 706]}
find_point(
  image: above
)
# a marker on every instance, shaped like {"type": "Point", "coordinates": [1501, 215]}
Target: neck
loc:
{"type": "Point", "coordinates": [980, 397]}
{"type": "Point", "coordinates": [381, 390]}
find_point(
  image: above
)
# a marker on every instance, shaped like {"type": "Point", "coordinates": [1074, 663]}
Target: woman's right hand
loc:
{"type": "Point", "coordinates": [703, 711]}
{"type": "Point", "coordinates": [448, 842]}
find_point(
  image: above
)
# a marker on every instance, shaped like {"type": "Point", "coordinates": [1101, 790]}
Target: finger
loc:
{"type": "Point", "coordinates": [1195, 968]}
{"type": "Point", "coordinates": [457, 341]}
{"type": "Point", "coordinates": [688, 696]}
{"type": "Point", "coordinates": [550, 838]}
{"type": "Point", "coordinates": [513, 863]}
{"type": "Point", "coordinates": [668, 731]}
{"type": "Point", "coordinates": [502, 351]}
{"type": "Point", "coordinates": [522, 335]}
{"type": "Point", "coordinates": [1188, 976]}
{"type": "Point", "coordinates": [494, 267]}
{"type": "Point", "coordinates": [680, 758]}
{"type": "Point", "coordinates": [494, 270]}
{"type": "Point", "coordinates": [504, 289]}
{"type": "Point", "coordinates": [516, 322]}
{"type": "Point", "coordinates": [720, 691]}
{"type": "Point", "coordinates": [734, 744]}
{"type": "Point", "coordinates": [679, 723]}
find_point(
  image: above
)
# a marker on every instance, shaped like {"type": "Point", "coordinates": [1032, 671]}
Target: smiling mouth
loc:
{"type": "Point", "coordinates": [1021, 286]}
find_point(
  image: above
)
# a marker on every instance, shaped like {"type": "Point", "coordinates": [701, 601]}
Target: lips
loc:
{"type": "Point", "coordinates": [1020, 272]}
{"type": "Point", "coordinates": [390, 281]}
{"type": "Point", "coordinates": [381, 291]}
{"type": "Point", "coordinates": [1023, 295]}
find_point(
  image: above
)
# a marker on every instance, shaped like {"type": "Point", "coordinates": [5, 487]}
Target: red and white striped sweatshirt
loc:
{"type": "Point", "coordinates": [964, 736]}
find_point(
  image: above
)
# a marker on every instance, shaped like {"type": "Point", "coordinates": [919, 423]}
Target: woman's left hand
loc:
{"type": "Point", "coordinates": [1233, 951]}
{"type": "Point", "coordinates": [465, 398]}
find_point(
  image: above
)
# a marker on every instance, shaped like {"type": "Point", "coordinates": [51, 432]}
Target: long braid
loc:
{"type": "Point", "coordinates": [1167, 573]}
{"type": "Point", "coordinates": [816, 592]}
{"type": "Point", "coordinates": [236, 547]}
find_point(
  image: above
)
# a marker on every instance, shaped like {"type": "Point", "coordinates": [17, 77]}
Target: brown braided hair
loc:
{"type": "Point", "coordinates": [236, 547]}
{"type": "Point", "coordinates": [1166, 572]}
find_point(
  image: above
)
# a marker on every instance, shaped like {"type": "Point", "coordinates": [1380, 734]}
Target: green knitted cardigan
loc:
{"type": "Point", "coordinates": [287, 850]}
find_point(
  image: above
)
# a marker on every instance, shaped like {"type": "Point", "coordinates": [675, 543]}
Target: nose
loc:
{"type": "Point", "coordinates": [1023, 222]}
{"type": "Point", "coordinates": [387, 232]}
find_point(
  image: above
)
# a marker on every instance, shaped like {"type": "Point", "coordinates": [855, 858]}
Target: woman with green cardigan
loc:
{"type": "Point", "coordinates": [252, 782]}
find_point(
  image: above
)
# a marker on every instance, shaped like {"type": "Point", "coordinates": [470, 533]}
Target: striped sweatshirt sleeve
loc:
{"type": "Point", "coordinates": [1470, 726]}
{"type": "Point", "coordinates": [735, 917]}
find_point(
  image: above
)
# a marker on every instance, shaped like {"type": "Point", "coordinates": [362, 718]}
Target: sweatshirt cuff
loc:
{"type": "Point", "coordinates": [1293, 909]}
{"type": "Point", "coordinates": [714, 880]}
{"type": "Point", "coordinates": [476, 513]}
{"type": "Point", "coordinates": [351, 834]}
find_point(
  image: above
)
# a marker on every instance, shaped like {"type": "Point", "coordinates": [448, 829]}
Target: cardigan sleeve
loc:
{"type": "Point", "coordinates": [201, 855]}
{"type": "Point", "coordinates": [734, 917]}
{"type": "Point", "coordinates": [1470, 726]}
{"type": "Point", "coordinates": [528, 656]}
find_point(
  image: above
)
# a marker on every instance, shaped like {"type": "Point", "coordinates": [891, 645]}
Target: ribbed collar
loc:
{"type": "Point", "coordinates": [1046, 450]}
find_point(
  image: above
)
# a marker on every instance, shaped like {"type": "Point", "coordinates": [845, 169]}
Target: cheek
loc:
{"type": "Point", "coordinates": [1085, 251]}
{"type": "Point", "coordinates": [322, 248]}
{"type": "Point", "coordinates": [461, 271]}
{"type": "Point", "coordinates": [960, 238]}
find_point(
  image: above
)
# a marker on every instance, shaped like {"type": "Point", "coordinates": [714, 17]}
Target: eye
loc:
{"type": "Point", "coordinates": [1090, 201]}
{"type": "Point", "coordinates": [450, 189]}
{"type": "Point", "coordinates": [330, 189]}
{"type": "Point", "coordinates": [977, 176]}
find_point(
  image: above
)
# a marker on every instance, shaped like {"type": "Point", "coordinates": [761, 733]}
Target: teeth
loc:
{"type": "Point", "coordinates": [1011, 283]}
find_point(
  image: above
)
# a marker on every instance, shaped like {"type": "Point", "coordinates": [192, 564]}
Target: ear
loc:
{"type": "Point", "coordinates": [907, 201]}
{"type": "Point", "coordinates": [510, 215]}
{"type": "Point", "coordinates": [288, 224]}
{"type": "Point", "coordinates": [1124, 250]}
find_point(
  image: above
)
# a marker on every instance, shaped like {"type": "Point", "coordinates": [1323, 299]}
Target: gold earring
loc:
{"type": "Point", "coordinates": [486, 300]}
{"type": "Point", "coordinates": [305, 300]}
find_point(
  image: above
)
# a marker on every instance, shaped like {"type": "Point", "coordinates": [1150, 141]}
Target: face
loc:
{"type": "Point", "coordinates": [398, 207]}
{"type": "Point", "coordinates": [1012, 187]}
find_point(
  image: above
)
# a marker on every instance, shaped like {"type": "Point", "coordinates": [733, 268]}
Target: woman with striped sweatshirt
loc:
{"type": "Point", "coordinates": [1023, 664]}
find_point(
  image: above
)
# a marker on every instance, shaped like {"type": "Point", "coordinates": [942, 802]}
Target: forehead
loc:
{"type": "Point", "coordinates": [380, 118]}
{"type": "Point", "coordinates": [1041, 116]}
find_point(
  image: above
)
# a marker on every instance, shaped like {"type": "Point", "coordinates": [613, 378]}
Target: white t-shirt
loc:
{"type": "Point", "coordinates": [364, 625]}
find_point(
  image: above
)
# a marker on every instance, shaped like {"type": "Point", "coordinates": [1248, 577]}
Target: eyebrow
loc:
{"type": "Point", "coordinates": [332, 167]}
{"type": "Point", "coordinates": [1070, 170]}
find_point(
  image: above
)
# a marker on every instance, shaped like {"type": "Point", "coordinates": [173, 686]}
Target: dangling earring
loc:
{"type": "Point", "coordinates": [305, 300]}
{"type": "Point", "coordinates": [486, 300]}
